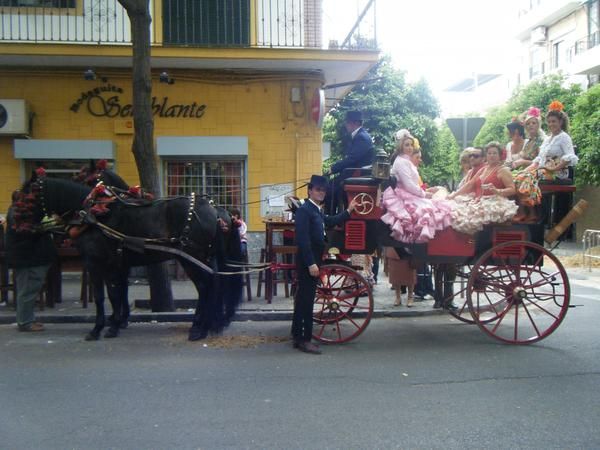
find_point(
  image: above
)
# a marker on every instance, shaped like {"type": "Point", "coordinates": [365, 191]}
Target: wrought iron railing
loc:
{"type": "Point", "coordinates": [196, 23]}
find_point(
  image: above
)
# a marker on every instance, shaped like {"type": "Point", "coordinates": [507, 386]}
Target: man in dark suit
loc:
{"type": "Point", "coordinates": [358, 152]}
{"type": "Point", "coordinates": [310, 238]}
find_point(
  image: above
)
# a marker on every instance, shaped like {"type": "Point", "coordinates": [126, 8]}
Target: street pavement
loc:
{"type": "Point", "coordinates": [407, 382]}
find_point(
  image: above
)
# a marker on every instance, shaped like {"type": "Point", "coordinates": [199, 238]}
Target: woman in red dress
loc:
{"type": "Point", "coordinates": [485, 198]}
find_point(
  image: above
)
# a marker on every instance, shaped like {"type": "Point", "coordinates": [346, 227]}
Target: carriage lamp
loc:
{"type": "Point", "coordinates": [381, 165]}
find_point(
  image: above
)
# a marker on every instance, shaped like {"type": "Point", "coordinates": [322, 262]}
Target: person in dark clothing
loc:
{"type": "Point", "coordinates": [310, 239]}
{"type": "Point", "coordinates": [30, 255]}
{"type": "Point", "coordinates": [358, 152]}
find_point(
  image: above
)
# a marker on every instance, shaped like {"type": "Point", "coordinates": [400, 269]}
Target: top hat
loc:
{"type": "Point", "coordinates": [317, 181]}
{"type": "Point", "coordinates": [354, 116]}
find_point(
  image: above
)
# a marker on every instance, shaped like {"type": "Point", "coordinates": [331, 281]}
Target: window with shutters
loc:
{"type": "Point", "coordinates": [206, 22]}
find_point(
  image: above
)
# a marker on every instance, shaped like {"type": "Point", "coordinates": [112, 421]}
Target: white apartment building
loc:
{"type": "Point", "coordinates": [560, 35]}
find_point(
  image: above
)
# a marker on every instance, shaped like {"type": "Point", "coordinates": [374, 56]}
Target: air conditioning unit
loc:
{"type": "Point", "coordinates": [14, 116]}
{"type": "Point", "coordinates": [538, 35]}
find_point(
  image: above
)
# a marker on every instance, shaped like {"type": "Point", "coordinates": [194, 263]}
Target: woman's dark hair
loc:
{"type": "Point", "coordinates": [516, 126]}
{"type": "Point", "coordinates": [235, 212]}
{"type": "Point", "coordinates": [562, 116]}
{"type": "Point", "coordinates": [495, 144]}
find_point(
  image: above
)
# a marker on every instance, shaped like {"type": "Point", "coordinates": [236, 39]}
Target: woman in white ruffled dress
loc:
{"type": "Point", "coordinates": [412, 215]}
{"type": "Point", "coordinates": [556, 153]}
{"type": "Point", "coordinates": [485, 198]}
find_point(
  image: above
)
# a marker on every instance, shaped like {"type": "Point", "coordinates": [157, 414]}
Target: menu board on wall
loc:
{"type": "Point", "coordinates": [272, 198]}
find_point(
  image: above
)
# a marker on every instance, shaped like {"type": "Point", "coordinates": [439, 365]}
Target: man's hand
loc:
{"type": "Point", "coordinates": [313, 270]}
{"type": "Point", "coordinates": [352, 205]}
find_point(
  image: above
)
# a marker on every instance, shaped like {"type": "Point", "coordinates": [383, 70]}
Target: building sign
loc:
{"type": "Point", "coordinates": [104, 101]}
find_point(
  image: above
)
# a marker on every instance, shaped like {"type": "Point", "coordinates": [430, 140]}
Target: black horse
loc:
{"type": "Point", "coordinates": [128, 233]}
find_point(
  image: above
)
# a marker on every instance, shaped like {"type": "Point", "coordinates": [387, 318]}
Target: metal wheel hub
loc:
{"type": "Point", "coordinates": [333, 305]}
{"type": "Point", "coordinates": [519, 293]}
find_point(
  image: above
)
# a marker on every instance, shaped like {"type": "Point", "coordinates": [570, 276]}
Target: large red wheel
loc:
{"type": "Point", "coordinates": [343, 305]}
{"type": "Point", "coordinates": [513, 297]}
{"type": "Point", "coordinates": [458, 295]}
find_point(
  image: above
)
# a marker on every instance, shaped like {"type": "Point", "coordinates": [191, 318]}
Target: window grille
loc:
{"type": "Point", "coordinates": [40, 3]}
{"type": "Point", "coordinates": [222, 181]}
{"type": "Point", "coordinates": [58, 168]}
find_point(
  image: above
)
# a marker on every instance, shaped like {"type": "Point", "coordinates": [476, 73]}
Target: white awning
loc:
{"type": "Point", "coordinates": [64, 149]}
{"type": "Point", "coordinates": [202, 146]}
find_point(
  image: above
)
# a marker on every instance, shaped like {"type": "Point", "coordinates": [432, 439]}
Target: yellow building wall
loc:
{"type": "Point", "coordinates": [284, 144]}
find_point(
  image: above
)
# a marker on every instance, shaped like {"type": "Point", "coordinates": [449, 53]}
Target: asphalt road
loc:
{"type": "Point", "coordinates": [427, 382]}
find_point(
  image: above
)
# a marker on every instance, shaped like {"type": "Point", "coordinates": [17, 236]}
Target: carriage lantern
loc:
{"type": "Point", "coordinates": [381, 165]}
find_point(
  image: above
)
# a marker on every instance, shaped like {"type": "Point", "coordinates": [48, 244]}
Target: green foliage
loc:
{"type": "Point", "coordinates": [494, 128]}
{"type": "Point", "coordinates": [444, 167]}
{"type": "Point", "coordinates": [537, 93]}
{"type": "Point", "coordinates": [388, 105]}
{"type": "Point", "coordinates": [585, 132]}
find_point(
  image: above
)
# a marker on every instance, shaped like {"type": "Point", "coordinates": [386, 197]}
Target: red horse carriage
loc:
{"type": "Point", "coordinates": [502, 279]}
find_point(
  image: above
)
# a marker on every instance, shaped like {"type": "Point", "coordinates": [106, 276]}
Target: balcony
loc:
{"type": "Point", "coordinates": [544, 14]}
{"type": "Point", "coordinates": [585, 55]}
{"type": "Point", "coordinates": [297, 36]}
{"type": "Point", "coordinates": [188, 23]}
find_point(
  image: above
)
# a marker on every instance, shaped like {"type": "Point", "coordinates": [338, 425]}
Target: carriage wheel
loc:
{"type": "Point", "coordinates": [458, 296]}
{"type": "Point", "coordinates": [513, 297]}
{"type": "Point", "coordinates": [343, 305]}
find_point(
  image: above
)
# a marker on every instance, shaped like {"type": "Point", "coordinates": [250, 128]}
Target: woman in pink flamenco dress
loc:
{"type": "Point", "coordinates": [412, 215]}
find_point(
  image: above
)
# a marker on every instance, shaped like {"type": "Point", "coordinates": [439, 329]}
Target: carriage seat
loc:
{"type": "Point", "coordinates": [361, 181]}
{"type": "Point", "coordinates": [352, 172]}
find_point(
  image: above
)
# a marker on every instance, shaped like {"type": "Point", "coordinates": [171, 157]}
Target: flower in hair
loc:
{"type": "Point", "coordinates": [533, 112]}
{"type": "Point", "coordinates": [40, 172]}
{"type": "Point", "coordinates": [101, 164]}
{"type": "Point", "coordinates": [556, 106]}
{"type": "Point", "coordinates": [401, 134]}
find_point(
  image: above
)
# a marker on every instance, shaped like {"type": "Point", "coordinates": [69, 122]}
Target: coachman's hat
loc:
{"type": "Point", "coordinates": [317, 181]}
{"type": "Point", "coordinates": [354, 116]}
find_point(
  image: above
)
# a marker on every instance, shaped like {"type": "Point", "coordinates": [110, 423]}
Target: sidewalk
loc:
{"type": "Point", "coordinates": [70, 310]}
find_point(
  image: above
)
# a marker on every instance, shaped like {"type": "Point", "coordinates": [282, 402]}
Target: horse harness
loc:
{"type": "Point", "coordinates": [164, 245]}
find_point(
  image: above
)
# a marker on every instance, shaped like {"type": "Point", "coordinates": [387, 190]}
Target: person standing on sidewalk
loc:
{"type": "Point", "coordinates": [310, 238]}
{"type": "Point", "coordinates": [30, 255]}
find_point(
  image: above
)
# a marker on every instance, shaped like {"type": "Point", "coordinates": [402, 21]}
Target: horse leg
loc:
{"type": "Point", "coordinates": [201, 322]}
{"type": "Point", "coordinates": [114, 286]}
{"type": "Point", "coordinates": [123, 294]}
{"type": "Point", "coordinates": [98, 287]}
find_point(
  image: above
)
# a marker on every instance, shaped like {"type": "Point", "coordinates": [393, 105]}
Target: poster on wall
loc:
{"type": "Point", "coordinates": [273, 199]}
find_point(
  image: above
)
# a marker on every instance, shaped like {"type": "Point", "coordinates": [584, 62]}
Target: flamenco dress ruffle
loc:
{"type": "Point", "coordinates": [471, 213]}
{"type": "Point", "coordinates": [414, 219]}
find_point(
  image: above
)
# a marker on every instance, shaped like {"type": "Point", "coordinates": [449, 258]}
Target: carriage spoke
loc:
{"type": "Point", "coordinates": [531, 320]}
{"type": "Point", "coordinates": [543, 309]}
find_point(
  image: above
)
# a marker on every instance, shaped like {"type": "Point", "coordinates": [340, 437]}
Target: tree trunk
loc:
{"type": "Point", "coordinates": [161, 296]}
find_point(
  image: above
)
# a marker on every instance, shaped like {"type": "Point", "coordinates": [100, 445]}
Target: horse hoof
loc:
{"type": "Point", "coordinates": [111, 333]}
{"type": "Point", "coordinates": [197, 335]}
{"type": "Point", "coordinates": [91, 336]}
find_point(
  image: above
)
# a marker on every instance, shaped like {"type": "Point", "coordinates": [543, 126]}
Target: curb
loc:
{"type": "Point", "coordinates": [240, 316]}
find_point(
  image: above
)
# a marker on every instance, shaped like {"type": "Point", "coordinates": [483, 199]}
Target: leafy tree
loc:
{"type": "Point", "coordinates": [444, 167]}
{"type": "Point", "coordinates": [388, 104]}
{"type": "Point", "coordinates": [537, 93]}
{"type": "Point", "coordinates": [585, 132]}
